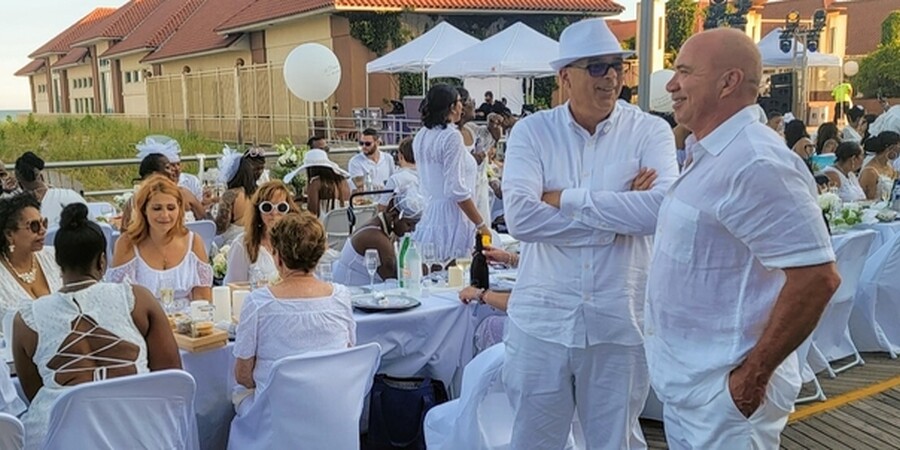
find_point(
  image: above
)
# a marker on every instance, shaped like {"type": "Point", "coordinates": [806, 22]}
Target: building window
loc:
{"type": "Point", "coordinates": [90, 82]}
{"type": "Point", "coordinates": [136, 76]}
{"type": "Point", "coordinates": [91, 104]}
{"type": "Point", "coordinates": [127, 77]}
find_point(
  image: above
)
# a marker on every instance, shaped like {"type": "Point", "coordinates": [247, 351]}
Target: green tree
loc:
{"type": "Point", "coordinates": [681, 15]}
{"type": "Point", "coordinates": [879, 72]}
{"type": "Point", "coordinates": [890, 29]}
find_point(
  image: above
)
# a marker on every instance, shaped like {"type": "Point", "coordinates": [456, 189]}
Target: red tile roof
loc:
{"type": "Point", "coordinates": [261, 11]}
{"type": "Point", "coordinates": [265, 10]}
{"type": "Point", "coordinates": [31, 68]}
{"type": "Point", "coordinates": [72, 58]}
{"type": "Point", "coordinates": [122, 22]}
{"type": "Point", "coordinates": [157, 27]}
{"type": "Point", "coordinates": [60, 44]}
{"type": "Point", "coordinates": [623, 29]}
{"type": "Point", "coordinates": [196, 34]}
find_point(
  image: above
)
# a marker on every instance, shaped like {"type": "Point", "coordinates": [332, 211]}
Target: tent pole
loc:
{"type": "Point", "coordinates": [367, 91]}
{"type": "Point", "coordinates": [424, 87]}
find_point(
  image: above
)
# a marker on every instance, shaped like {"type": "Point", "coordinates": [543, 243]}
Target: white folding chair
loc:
{"type": "Point", "coordinates": [50, 236]}
{"type": "Point", "coordinates": [206, 229]}
{"type": "Point", "coordinates": [12, 433]}
{"type": "Point", "coordinates": [337, 227]}
{"type": "Point", "coordinates": [97, 209]}
{"type": "Point", "coordinates": [873, 323]}
{"type": "Point", "coordinates": [831, 339]}
{"type": "Point", "coordinates": [482, 417]}
{"type": "Point", "coordinates": [150, 410]}
{"type": "Point", "coordinates": [313, 400]}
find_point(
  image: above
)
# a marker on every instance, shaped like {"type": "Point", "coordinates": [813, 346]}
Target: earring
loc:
{"type": "Point", "coordinates": [12, 248]}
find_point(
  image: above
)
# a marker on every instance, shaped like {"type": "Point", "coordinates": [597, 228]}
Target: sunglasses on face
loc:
{"type": "Point", "coordinates": [366, 143]}
{"type": "Point", "coordinates": [255, 152]}
{"type": "Point", "coordinates": [36, 225]}
{"type": "Point", "coordinates": [267, 207]}
{"type": "Point", "coordinates": [600, 69]}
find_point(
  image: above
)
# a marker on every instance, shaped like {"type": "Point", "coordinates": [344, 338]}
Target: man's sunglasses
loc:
{"type": "Point", "coordinates": [366, 143]}
{"type": "Point", "coordinates": [600, 69]}
{"type": "Point", "coordinates": [267, 207]}
{"type": "Point", "coordinates": [36, 225]}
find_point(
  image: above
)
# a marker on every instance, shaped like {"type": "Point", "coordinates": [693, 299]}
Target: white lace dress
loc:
{"type": "Point", "coordinates": [64, 319]}
{"type": "Point", "coordinates": [447, 176]}
{"type": "Point", "coordinates": [272, 328]}
{"type": "Point", "coordinates": [850, 190]}
{"type": "Point", "coordinates": [191, 272]}
{"type": "Point", "coordinates": [240, 267]}
{"type": "Point", "coordinates": [12, 293]}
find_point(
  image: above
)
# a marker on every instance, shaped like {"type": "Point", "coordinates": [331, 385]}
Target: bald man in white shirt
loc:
{"type": "Point", "coordinates": [742, 265]}
{"type": "Point", "coordinates": [582, 185]}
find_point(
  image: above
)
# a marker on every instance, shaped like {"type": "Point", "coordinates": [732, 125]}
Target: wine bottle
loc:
{"type": "Point", "coordinates": [478, 273]}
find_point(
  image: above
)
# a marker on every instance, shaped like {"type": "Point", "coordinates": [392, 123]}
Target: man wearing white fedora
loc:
{"type": "Point", "coordinates": [582, 187]}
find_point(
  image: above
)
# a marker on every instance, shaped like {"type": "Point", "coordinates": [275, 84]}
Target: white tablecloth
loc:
{"type": "Point", "coordinates": [434, 339]}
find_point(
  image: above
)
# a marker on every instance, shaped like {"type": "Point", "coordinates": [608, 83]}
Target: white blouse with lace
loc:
{"type": "Point", "coordinates": [62, 321]}
{"type": "Point", "coordinates": [191, 272]}
{"type": "Point", "coordinates": [12, 293]}
{"type": "Point", "coordinates": [240, 267]}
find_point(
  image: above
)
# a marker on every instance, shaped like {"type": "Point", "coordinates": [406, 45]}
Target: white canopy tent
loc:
{"type": "Point", "coordinates": [518, 51]}
{"type": "Point", "coordinates": [772, 56]}
{"type": "Point", "coordinates": [419, 54]}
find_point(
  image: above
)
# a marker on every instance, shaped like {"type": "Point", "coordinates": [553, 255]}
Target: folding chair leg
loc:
{"type": "Point", "coordinates": [858, 361]}
{"type": "Point", "coordinates": [818, 395]}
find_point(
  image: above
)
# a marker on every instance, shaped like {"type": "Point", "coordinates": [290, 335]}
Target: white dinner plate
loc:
{"type": "Point", "coordinates": [390, 302]}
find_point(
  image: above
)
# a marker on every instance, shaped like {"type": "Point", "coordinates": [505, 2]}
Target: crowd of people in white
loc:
{"type": "Point", "coordinates": [693, 261]}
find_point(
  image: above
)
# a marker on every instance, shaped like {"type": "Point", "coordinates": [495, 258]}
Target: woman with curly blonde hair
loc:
{"type": "Point", "coordinates": [252, 250]}
{"type": "Point", "coordinates": [297, 315]}
{"type": "Point", "coordinates": [157, 251]}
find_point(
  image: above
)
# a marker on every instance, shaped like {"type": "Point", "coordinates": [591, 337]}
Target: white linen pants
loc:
{"type": "Point", "coordinates": [720, 425]}
{"type": "Point", "coordinates": [546, 382]}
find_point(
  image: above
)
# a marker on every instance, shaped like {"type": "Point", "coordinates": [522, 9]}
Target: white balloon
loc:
{"type": "Point", "coordinates": [660, 100]}
{"type": "Point", "coordinates": [312, 72]}
{"type": "Point", "coordinates": [851, 68]}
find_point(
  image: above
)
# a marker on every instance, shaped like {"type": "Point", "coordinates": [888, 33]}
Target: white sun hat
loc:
{"type": "Point", "coordinates": [316, 158]}
{"type": "Point", "coordinates": [585, 39]}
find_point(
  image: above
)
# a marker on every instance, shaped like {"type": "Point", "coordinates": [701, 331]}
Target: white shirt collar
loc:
{"type": "Point", "coordinates": [603, 127]}
{"type": "Point", "coordinates": [725, 133]}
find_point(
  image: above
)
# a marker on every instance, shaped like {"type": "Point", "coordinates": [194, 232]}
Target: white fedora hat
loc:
{"type": "Point", "coordinates": [585, 39]}
{"type": "Point", "coordinates": [316, 158]}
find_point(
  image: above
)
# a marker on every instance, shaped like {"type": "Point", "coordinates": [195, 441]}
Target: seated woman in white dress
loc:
{"type": "Point", "coordinates": [238, 174]}
{"type": "Point", "coordinates": [379, 233]}
{"type": "Point", "coordinates": [88, 330]}
{"type": "Point", "coordinates": [877, 176]}
{"type": "Point", "coordinates": [447, 176]}
{"type": "Point", "coordinates": [251, 252]}
{"type": "Point", "coordinates": [842, 174]}
{"type": "Point", "coordinates": [29, 270]}
{"type": "Point", "coordinates": [297, 315]}
{"type": "Point", "coordinates": [157, 251]}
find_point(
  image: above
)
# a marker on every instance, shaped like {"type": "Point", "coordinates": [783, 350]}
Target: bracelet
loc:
{"type": "Point", "coordinates": [513, 260]}
{"type": "Point", "coordinates": [481, 295]}
{"type": "Point", "coordinates": [480, 224]}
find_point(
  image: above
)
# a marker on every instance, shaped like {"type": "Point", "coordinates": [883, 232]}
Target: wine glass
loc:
{"type": "Point", "coordinates": [372, 263]}
{"type": "Point", "coordinates": [325, 272]}
{"type": "Point", "coordinates": [429, 257]}
{"type": "Point", "coordinates": [464, 261]}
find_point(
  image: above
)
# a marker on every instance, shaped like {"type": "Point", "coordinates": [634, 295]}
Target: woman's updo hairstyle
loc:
{"type": "Point", "coordinates": [299, 239]}
{"type": "Point", "coordinates": [846, 150]}
{"type": "Point", "coordinates": [437, 104]}
{"type": "Point", "coordinates": [880, 143]}
{"type": "Point", "coordinates": [79, 241]}
{"type": "Point", "coordinates": [11, 212]}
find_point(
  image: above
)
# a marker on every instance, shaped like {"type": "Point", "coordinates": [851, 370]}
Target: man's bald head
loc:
{"type": "Point", "coordinates": [717, 74]}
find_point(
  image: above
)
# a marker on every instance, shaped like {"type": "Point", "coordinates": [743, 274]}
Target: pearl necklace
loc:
{"type": "Point", "coordinates": [80, 283]}
{"type": "Point", "coordinates": [27, 277]}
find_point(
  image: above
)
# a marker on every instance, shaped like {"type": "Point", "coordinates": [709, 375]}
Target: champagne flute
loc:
{"type": "Point", "coordinates": [166, 293]}
{"type": "Point", "coordinates": [429, 257]}
{"type": "Point", "coordinates": [372, 262]}
{"type": "Point", "coordinates": [464, 261]}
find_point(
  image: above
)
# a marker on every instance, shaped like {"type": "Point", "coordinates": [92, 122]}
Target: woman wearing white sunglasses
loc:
{"type": "Point", "coordinates": [252, 250]}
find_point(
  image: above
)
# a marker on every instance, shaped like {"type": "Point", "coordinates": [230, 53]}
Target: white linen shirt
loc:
{"type": "Point", "coordinates": [742, 211]}
{"type": "Point", "coordinates": [360, 165]}
{"type": "Point", "coordinates": [583, 267]}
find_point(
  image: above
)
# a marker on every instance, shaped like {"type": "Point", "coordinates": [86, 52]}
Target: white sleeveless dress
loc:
{"type": "Point", "coordinates": [447, 176]}
{"type": "Point", "coordinates": [186, 275]}
{"type": "Point", "coordinates": [850, 190]}
{"type": "Point", "coordinates": [103, 309]}
{"type": "Point", "coordinates": [350, 268]}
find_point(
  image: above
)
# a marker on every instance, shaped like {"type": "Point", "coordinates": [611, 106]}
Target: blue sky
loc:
{"type": "Point", "coordinates": [31, 23]}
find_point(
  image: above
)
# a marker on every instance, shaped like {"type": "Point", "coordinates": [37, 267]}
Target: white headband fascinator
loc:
{"type": "Point", "coordinates": [229, 164]}
{"type": "Point", "coordinates": [409, 201]}
{"type": "Point", "coordinates": [164, 145]}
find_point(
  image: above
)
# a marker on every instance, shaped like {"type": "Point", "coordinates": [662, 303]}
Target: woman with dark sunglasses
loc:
{"type": "Point", "coordinates": [251, 252]}
{"type": "Point", "coordinates": [29, 268]}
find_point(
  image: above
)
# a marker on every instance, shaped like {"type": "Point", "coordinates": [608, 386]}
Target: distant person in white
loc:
{"type": "Point", "coordinates": [172, 151]}
{"type": "Point", "coordinates": [742, 264]}
{"type": "Point", "coordinates": [405, 177]}
{"type": "Point", "coordinates": [569, 188]}
{"type": "Point", "coordinates": [29, 173]}
{"type": "Point", "coordinates": [371, 162]}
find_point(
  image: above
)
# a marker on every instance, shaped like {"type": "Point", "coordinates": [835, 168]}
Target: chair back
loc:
{"type": "Point", "coordinates": [337, 227]}
{"type": "Point", "coordinates": [851, 257]}
{"type": "Point", "coordinates": [150, 410]}
{"type": "Point", "coordinates": [111, 236]}
{"type": "Point", "coordinates": [871, 325]}
{"type": "Point", "coordinates": [12, 433]}
{"type": "Point", "coordinates": [315, 399]}
{"type": "Point", "coordinates": [206, 229]}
